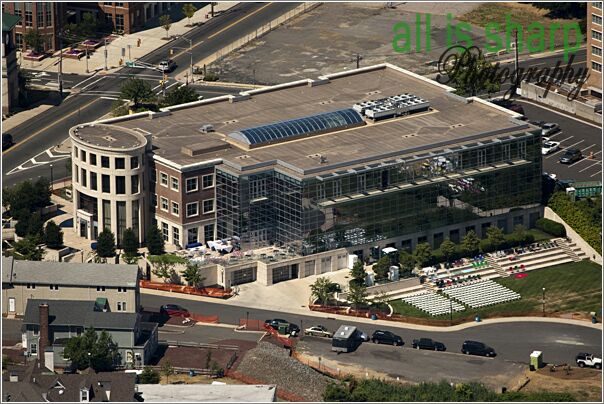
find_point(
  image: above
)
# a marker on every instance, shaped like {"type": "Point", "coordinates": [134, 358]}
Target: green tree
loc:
{"type": "Point", "coordinates": [357, 273]}
{"type": "Point", "coordinates": [382, 267]}
{"type": "Point", "coordinates": [155, 241]}
{"type": "Point", "coordinates": [407, 263]}
{"type": "Point", "coordinates": [179, 95]}
{"type": "Point", "coordinates": [192, 275]}
{"type": "Point", "coordinates": [380, 300]}
{"type": "Point", "coordinates": [105, 244]}
{"type": "Point", "coordinates": [495, 236]}
{"type": "Point", "coordinates": [149, 376]}
{"type": "Point", "coordinates": [447, 247]}
{"type": "Point", "coordinates": [137, 91]}
{"type": "Point", "coordinates": [163, 265]}
{"type": "Point", "coordinates": [474, 75]}
{"type": "Point", "coordinates": [35, 227]}
{"type": "Point", "coordinates": [94, 349]}
{"type": "Point", "coordinates": [321, 289]}
{"type": "Point", "coordinates": [26, 197]}
{"type": "Point", "coordinates": [28, 249]}
{"type": "Point", "coordinates": [422, 254]}
{"type": "Point", "coordinates": [130, 243]}
{"type": "Point", "coordinates": [189, 10]}
{"type": "Point", "coordinates": [166, 22]}
{"type": "Point", "coordinates": [167, 370]}
{"type": "Point", "coordinates": [53, 235]}
{"type": "Point", "coordinates": [357, 295]}
{"type": "Point", "coordinates": [470, 243]}
{"type": "Point", "coordinates": [33, 39]}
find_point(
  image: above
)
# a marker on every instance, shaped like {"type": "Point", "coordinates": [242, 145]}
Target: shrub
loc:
{"type": "Point", "coordinates": [551, 227]}
{"type": "Point", "coordinates": [584, 216]}
{"type": "Point", "coordinates": [105, 244]}
{"type": "Point", "coordinates": [155, 241]}
{"type": "Point", "coordinates": [149, 376]}
{"type": "Point", "coordinates": [54, 235]}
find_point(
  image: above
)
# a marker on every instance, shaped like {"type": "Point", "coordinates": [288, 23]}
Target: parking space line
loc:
{"type": "Point", "coordinates": [599, 172]}
{"type": "Point", "coordinates": [565, 147]}
{"type": "Point", "coordinates": [588, 167]}
{"type": "Point", "coordinates": [556, 134]}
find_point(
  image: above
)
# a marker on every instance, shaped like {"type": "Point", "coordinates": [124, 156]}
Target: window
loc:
{"type": "Point", "coordinates": [320, 191]}
{"type": "Point", "coordinates": [84, 395]}
{"type": "Point", "coordinates": [121, 289]}
{"type": "Point", "coordinates": [104, 161]}
{"type": "Point", "coordinates": [596, 4]}
{"type": "Point", "coordinates": [164, 204]}
{"type": "Point", "coordinates": [100, 288]}
{"type": "Point", "coordinates": [596, 19]}
{"type": "Point", "coordinates": [33, 348]}
{"type": "Point", "coordinates": [134, 162]}
{"type": "Point", "coordinates": [163, 178]}
{"type": "Point", "coordinates": [31, 286]}
{"type": "Point", "coordinates": [134, 184]}
{"type": "Point", "coordinates": [84, 178]}
{"type": "Point", "coordinates": [192, 209]}
{"type": "Point", "coordinates": [120, 185]}
{"type": "Point", "coordinates": [258, 188]}
{"type": "Point", "coordinates": [49, 16]}
{"type": "Point", "coordinates": [83, 155]}
{"type": "Point", "coordinates": [105, 183]}
{"type": "Point", "coordinates": [120, 163]}
{"type": "Point", "coordinates": [175, 208]}
{"type": "Point", "coordinates": [93, 159]}
{"type": "Point", "coordinates": [28, 15]}
{"type": "Point", "coordinates": [154, 200]}
{"type": "Point", "coordinates": [175, 235]}
{"type": "Point", "coordinates": [40, 15]}
{"type": "Point", "coordinates": [121, 306]}
{"type": "Point", "coordinates": [164, 231]}
{"type": "Point", "coordinates": [208, 206]}
{"type": "Point", "coordinates": [337, 188]}
{"type": "Point", "coordinates": [208, 232]}
{"type": "Point", "coordinates": [17, 12]}
{"type": "Point", "coordinates": [361, 183]}
{"type": "Point", "coordinates": [596, 51]}
{"type": "Point", "coordinates": [36, 331]}
{"type": "Point", "coordinates": [119, 4]}
{"type": "Point", "coordinates": [154, 176]}
{"type": "Point", "coordinates": [19, 40]}
{"type": "Point", "coordinates": [596, 66]}
{"type": "Point", "coordinates": [596, 35]}
{"type": "Point", "coordinates": [54, 287]}
{"type": "Point", "coordinates": [192, 184]}
{"type": "Point", "coordinates": [174, 183]}
{"type": "Point", "coordinates": [192, 235]}
{"type": "Point", "coordinates": [207, 181]}
{"type": "Point", "coordinates": [119, 22]}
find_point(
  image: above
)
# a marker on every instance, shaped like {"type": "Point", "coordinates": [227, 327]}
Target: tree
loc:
{"type": "Point", "coordinates": [137, 91]}
{"type": "Point", "coordinates": [155, 241]}
{"type": "Point", "coordinates": [407, 262]}
{"type": "Point", "coordinates": [422, 254]}
{"type": "Point", "coordinates": [192, 275]}
{"type": "Point", "coordinates": [357, 273]}
{"type": "Point", "coordinates": [28, 249]}
{"type": "Point", "coordinates": [495, 236]}
{"type": "Point", "coordinates": [167, 370]}
{"type": "Point", "coordinates": [563, 10]}
{"type": "Point", "coordinates": [33, 39]}
{"type": "Point", "coordinates": [163, 265]}
{"type": "Point", "coordinates": [166, 22]}
{"type": "Point", "coordinates": [470, 243]}
{"type": "Point", "coordinates": [321, 289]}
{"type": "Point", "coordinates": [105, 244]}
{"type": "Point", "coordinates": [35, 227]}
{"type": "Point", "coordinates": [26, 197]}
{"type": "Point", "coordinates": [382, 267]}
{"type": "Point", "coordinates": [92, 349]}
{"type": "Point", "coordinates": [149, 376]}
{"type": "Point", "coordinates": [473, 74]}
{"type": "Point", "coordinates": [380, 300]}
{"type": "Point", "coordinates": [179, 95]}
{"type": "Point", "coordinates": [53, 235]}
{"type": "Point", "coordinates": [447, 247]}
{"type": "Point", "coordinates": [189, 10]}
{"type": "Point", "coordinates": [357, 295]}
{"type": "Point", "coordinates": [129, 243]}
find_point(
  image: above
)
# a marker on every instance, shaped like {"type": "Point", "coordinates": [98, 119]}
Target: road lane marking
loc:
{"type": "Point", "coordinates": [238, 21]}
{"type": "Point", "coordinates": [36, 133]}
{"type": "Point", "coordinates": [588, 167]}
{"type": "Point", "coordinates": [110, 98]}
{"type": "Point", "coordinates": [171, 85]}
{"type": "Point", "coordinates": [90, 84]}
{"type": "Point", "coordinates": [568, 342]}
{"type": "Point", "coordinates": [85, 80]}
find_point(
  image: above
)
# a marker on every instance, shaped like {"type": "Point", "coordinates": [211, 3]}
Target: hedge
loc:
{"type": "Point", "coordinates": [585, 217]}
{"type": "Point", "coordinates": [551, 227]}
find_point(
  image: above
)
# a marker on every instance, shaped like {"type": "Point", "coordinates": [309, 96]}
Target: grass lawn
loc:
{"type": "Point", "coordinates": [572, 287]}
{"type": "Point", "coordinates": [539, 235]}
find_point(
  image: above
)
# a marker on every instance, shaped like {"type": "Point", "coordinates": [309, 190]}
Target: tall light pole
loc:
{"type": "Point", "coordinates": [543, 302]}
{"type": "Point", "coordinates": [105, 54]}
{"type": "Point", "coordinates": [51, 179]}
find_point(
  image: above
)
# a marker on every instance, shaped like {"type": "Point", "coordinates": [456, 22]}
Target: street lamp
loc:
{"type": "Point", "coordinates": [51, 179]}
{"type": "Point", "coordinates": [543, 302]}
{"type": "Point", "coordinates": [247, 319]}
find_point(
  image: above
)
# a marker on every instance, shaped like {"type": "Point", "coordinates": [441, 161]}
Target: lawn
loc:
{"type": "Point", "coordinates": [569, 288]}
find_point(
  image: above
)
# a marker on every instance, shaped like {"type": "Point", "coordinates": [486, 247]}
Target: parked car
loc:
{"type": "Point", "coordinates": [318, 331]}
{"type": "Point", "coordinates": [7, 141]}
{"type": "Point", "coordinates": [361, 335]}
{"type": "Point", "coordinates": [283, 326]}
{"type": "Point", "coordinates": [571, 156]}
{"type": "Point", "coordinates": [174, 310]}
{"type": "Point", "coordinates": [537, 123]}
{"type": "Point", "coordinates": [586, 359]}
{"type": "Point", "coordinates": [274, 323]}
{"type": "Point", "coordinates": [549, 129]}
{"type": "Point", "coordinates": [549, 147]}
{"type": "Point", "coordinates": [386, 337]}
{"type": "Point", "coordinates": [166, 66]}
{"type": "Point", "coordinates": [427, 343]}
{"type": "Point", "coordinates": [477, 348]}
{"type": "Point", "coordinates": [516, 108]}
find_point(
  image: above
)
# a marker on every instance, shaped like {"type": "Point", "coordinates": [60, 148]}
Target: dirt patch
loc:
{"type": "Point", "coordinates": [583, 384]}
{"type": "Point", "coordinates": [196, 358]}
{"type": "Point", "coordinates": [199, 379]}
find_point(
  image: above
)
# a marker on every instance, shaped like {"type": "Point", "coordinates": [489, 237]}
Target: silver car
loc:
{"type": "Point", "coordinates": [549, 129]}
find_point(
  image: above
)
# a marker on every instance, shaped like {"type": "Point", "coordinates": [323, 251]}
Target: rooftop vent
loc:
{"type": "Point", "coordinates": [109, 138]}
{"type": "Point", "coordinates": [389, 107]}
{"type": "Point", "coordinates": [207, 128]}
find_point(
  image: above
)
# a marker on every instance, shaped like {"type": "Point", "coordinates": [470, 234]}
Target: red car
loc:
{"type": "Point", "coordinates": [174, 310]}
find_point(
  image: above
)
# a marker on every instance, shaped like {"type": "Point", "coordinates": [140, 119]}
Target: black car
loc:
{"type": "Point", "coordinates": [427, 343]}
{"type": "Point", "coordinates": [477, 348]}
{"type": "Point", "coordinates": [571, 156]}
{"type": "Point", "coordinates": [386, 337]}
{"type": "Point", "coordinates": [7, 141]}
{"type": "Point", "coordinates": [292, 329]}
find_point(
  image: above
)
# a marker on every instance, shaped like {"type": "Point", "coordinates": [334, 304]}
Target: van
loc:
{"type": "Point", "coordinates": [477, 348]}
{"type": "Point", "coordinates": [345, 339]}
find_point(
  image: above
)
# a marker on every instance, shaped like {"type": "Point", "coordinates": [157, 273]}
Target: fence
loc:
{"type": "Point", "coordinates": [198, 345]}
{"type": "Point", "coordinates": [303, 8]}
{"type": "Point", "coordinates": [189, 290]}
{"type": "Point", "coordinates": [251, 325]}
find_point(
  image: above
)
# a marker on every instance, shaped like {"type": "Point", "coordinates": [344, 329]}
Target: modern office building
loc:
{"type": "Point", "coordinates": [376, 156]}
{"type": "Point", "coordinates": [594, 45]}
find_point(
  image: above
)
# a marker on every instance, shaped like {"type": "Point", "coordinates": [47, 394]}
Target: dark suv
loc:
{"type": "Point", "coordinates": [386, 337]}
{"type": "Point", "coordinates": [427, 343]}
{"type": "Point", "coordinates": [570, 156]}
{"type": "Point", "coordinates": [477, 348]}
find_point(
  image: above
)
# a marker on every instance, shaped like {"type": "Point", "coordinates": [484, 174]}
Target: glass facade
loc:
{"type": "Point", "coordinates": [380, 201]}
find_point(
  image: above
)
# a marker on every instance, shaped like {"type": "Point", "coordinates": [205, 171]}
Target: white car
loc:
{"type": "Point", "coordinates": [549, 147]}
{"type": "Point", "coordinates": [549, 129]}
{"type": "Point", "coordinates": [586, 359]}
{"type": "Point", "coordinates": [318, 331]}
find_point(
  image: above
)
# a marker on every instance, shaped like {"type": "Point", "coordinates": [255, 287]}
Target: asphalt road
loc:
{"type": "Point", "coordinates": [33, 138]}
{"type": "Point", "coordinates": [512, 341]}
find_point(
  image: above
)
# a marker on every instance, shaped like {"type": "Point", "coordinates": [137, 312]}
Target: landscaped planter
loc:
{"type": "Point", "coordinates": [34, 56]}
{"type": "Point", "coordinates": [73, 54]}
{"type": "Point", "coordinates": [90, 44]}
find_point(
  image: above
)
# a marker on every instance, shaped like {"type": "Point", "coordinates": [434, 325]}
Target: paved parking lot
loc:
{"type": "Point", "coordinates": [573, 134]}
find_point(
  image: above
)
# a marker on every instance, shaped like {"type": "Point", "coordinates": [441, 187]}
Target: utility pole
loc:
{"type": "Point", "coordinates": [212, 9]}
{"type": "Point", "coordinates": [516, 60]}
{"type": "Point", "coordinates": [87, 71]}
{"type": "Point", "coordinates": [358, 59]}
{"type": "Point", "coordinates": [191, 54]}
{"type": "Point", "coordinates": [105, 54]}
{"type": "Point", "coordinates": [129, 57]}
{"type": "Point", "coordinates": [60, 74]}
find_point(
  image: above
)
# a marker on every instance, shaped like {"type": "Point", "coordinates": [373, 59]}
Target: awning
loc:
{"type": "Point", "coordinates": [101, 302]}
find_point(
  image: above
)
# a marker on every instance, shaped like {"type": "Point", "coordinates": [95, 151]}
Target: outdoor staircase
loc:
{"type": "Point", "coordinates": [430, 287]}
{"type": "Point", "coordinates": [495, 265]}
{"type": "Point", "coordinates": [573, 251]}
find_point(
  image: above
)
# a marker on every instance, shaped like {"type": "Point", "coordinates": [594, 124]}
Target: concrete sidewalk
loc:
{"type": "Point", "coordinates": [151, 40]}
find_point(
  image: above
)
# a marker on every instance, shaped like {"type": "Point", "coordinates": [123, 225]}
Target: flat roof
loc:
{"type": "Point", "coordinates": [107, 137]}
{"type": "Point", "coordinates": [452, 120]}
{"type": "Point", "coordinates": [201, 393]}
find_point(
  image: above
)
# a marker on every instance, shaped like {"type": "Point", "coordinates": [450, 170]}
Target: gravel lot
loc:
{"type": "Point", "coordinates": [273, 365]}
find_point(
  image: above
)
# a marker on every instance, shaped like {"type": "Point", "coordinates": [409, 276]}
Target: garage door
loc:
{"type": "Point", "coordinates": [245, 275]}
